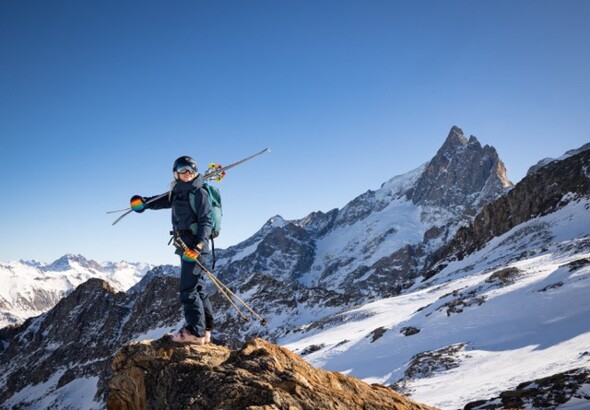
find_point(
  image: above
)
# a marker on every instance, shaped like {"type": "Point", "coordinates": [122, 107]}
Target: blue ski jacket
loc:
{"type": "Point", "coordinates": [193, 227]}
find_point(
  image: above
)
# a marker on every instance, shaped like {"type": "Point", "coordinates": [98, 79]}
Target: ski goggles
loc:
{"type": "Point", "coordinates": [183, 169]}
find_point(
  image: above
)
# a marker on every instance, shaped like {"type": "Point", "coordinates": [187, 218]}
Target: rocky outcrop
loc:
{"type": "Point", "coordinates": [539, 193]}
{"type": "Point", "coordinates": [162, 374]}
{"type": "Point", "coordinates": [272, 299]}
{"type": "Point", "coordinates": [546, 393]}
{"type": "Point", "coordinates": [65, 336]}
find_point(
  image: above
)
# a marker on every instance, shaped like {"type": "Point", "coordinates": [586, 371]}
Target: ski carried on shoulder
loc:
{"type": "Point", "coordinates": [214, 172]}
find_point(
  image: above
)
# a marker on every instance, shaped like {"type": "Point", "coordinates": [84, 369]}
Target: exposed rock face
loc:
{"type": "Point", "coordinates": [162, 374]}
{"type": "Point", "coordinates": [46, 342]}
{"type": "Point", "coordinates": [546, 393]}
{"type": "Point", "coordinates": [539, 193]}
{"type": "Point", "coordinates": [273, 298]}
{"type": "Point", "coordinates": [462, 173]}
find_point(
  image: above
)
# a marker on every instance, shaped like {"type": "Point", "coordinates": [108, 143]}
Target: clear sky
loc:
{"type": "Point", "coordinates": [97, 99]}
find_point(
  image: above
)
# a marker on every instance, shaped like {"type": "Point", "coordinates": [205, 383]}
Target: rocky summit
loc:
{"type": "Point", "coordinates": [162, 374]}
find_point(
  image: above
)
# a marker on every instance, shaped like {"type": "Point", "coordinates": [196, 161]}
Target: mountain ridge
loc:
{"type": "Point", "coordinates": [30, 288]}
{"type": "Point", "coordinates": [376, 245]}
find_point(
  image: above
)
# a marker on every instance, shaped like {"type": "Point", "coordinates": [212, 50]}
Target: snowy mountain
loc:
{"type": "Point", "coordinates": [505, 304]}
{"type": "Point", "coordinates": [379, 240]}
{"type": "Point", "coordinates": [374, 247]}
{"type": "Point", "coordinates": [29, 288]}
{"type": "Point", "coordinates": [514, 311]}
{"type": "Point", "coordinates": [70, 345]}
{"type": "Point", "coordinates": [472, 296]}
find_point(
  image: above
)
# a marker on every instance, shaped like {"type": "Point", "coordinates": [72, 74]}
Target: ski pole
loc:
{"type": "Point", "coordinates": [180, 243]}
{"type": "Point", "coordinates": [219, 283]}
{"type": "Point", "coordinates": [221, 286]}
{"type": "Point", "coordinates": [246, 318]}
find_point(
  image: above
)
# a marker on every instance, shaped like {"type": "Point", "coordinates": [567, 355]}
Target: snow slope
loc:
{"type": "Point", "coordinates": [514, 311]}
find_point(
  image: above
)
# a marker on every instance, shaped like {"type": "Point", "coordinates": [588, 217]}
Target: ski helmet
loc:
{"type": "Point", "coordinates": [184, 164]}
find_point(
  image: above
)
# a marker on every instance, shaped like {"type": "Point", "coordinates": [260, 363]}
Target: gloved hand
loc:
{"type": "Point", "coordinates": [137, 203]}
{"type": "Point", "coordinates": [191, 255]}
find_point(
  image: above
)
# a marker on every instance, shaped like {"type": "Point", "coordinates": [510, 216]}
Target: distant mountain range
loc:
{"type": "Point", "coordinates": [448, 284]}
{"type": "Point", "coordinates": [29, 288]}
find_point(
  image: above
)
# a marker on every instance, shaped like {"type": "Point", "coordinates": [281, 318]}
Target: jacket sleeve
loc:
{"type": "Point", "coordinates": [204, 223]}
{"type": "Point", "coordinates": [161, 203]}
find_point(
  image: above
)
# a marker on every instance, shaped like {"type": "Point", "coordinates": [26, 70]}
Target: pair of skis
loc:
{"type": "Point", "coordinates": [215, 172]}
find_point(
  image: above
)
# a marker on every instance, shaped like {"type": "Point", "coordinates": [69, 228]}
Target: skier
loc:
{"type": "Point", "coordinates": [194, 229]}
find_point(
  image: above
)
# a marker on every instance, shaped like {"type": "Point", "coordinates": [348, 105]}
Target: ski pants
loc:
{"type": "Point", "coordinates": [198, 313]}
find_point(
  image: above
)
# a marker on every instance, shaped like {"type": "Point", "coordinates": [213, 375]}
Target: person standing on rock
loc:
{"type": "Point", "coordinates": [191, 222]}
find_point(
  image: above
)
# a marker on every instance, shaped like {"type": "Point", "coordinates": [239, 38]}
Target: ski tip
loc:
{"type": "Point", "coordinates": [121, 217]}
{"type": "Point", "coordinates": [118, 211]}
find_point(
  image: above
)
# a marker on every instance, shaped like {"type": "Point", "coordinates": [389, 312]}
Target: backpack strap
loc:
{"type": "Point", "coordinates": [213, 253]}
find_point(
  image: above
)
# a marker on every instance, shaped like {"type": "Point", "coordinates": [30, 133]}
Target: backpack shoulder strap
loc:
{"type": "Point", "coordinates": [193, 200]}
{"type": "Point", "coordinates": [213, 199]}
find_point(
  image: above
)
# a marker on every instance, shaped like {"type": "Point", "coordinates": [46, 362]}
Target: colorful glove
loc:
{"type": "Point", "coordinates": [191, 255]}
{"type": "Point", "coordinates": [137, 203]}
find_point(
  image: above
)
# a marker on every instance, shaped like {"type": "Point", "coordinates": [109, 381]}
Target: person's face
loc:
{"type": "Point", "coordinates": [186, 176]}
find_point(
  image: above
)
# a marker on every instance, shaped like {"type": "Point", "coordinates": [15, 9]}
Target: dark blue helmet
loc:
{"type": "Point", "coordinates": [184, 164]}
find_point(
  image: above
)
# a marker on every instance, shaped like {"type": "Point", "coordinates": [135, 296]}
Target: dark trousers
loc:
{"type": "Point", "coordinates": [198, 313]}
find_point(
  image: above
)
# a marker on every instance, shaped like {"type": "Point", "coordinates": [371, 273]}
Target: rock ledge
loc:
{"type": "Point", "coordinates": [162, 374]}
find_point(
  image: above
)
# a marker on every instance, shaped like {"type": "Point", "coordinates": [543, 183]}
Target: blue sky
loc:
{"type": "Point", "coordinates": [97, 99]}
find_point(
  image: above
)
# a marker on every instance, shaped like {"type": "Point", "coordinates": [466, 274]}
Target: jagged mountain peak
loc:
{"type": "Point", "coordinates": [276, 221]}
{"type": "Point", "coordinates": [455, 139]}
{"type": "Point", "coordinates": [461, 173]}
{"type": "Point", "coordinates": [68, 260]}
{"type": "Point", "coordinates": [380, 237]}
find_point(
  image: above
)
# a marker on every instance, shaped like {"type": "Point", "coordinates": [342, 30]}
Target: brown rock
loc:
{"type": "Point", "coordinates": [261, 375]}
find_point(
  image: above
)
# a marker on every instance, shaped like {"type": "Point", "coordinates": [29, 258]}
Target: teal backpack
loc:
{"type": "Point", "coordinates": [216, 213]}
